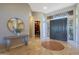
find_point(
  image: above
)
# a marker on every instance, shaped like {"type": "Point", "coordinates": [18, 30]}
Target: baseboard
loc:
{"type": "Point", "coordinates": [72, 43]}
{"type": "Point", "coordinates": [17, 46]}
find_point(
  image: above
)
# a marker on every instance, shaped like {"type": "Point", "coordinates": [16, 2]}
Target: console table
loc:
{"type": "Point", "coordinates": [8, 40]}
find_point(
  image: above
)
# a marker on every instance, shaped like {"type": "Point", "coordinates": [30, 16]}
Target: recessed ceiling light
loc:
{"type": "Point", "coordinates": [44, 7]}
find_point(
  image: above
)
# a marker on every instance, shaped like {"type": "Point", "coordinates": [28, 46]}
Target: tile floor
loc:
{"type": "Point", "coordinates": [34, 47]}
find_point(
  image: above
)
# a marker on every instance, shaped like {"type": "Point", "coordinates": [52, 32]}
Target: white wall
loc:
{"type": "Point", "coordinates": [22, 11]}
{"type": "Point", "coordinates": [44, 35]}
{"type": "Point", "coordinates": [77, 25]}
{"type": "Point", "coordinates": [61, 10]}
{"type": "Point", "coordinates": [74, 18]}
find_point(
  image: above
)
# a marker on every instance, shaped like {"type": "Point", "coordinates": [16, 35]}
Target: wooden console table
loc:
{"type": "Point", "coordinates": [8, 40]}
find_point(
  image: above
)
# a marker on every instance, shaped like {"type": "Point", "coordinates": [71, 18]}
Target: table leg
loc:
{"type": "Point", "coordinates": [25, 40]}
{"type": "Point", "coordinates": [7, 44]}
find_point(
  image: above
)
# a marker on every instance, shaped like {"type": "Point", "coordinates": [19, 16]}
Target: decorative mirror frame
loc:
{"type": "Point", "coordinates": [13, 31]}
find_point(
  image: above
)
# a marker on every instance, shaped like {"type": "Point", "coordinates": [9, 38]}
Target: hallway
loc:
{"type": "Point", "coordinates": [34, 48]}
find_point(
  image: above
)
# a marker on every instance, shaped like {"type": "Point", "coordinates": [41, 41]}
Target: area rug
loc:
{"type": "Point", "coordinates": [53, 45]}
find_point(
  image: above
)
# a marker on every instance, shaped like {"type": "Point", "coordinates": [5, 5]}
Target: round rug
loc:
{"type": "Point", "coordinates": [53, 45]}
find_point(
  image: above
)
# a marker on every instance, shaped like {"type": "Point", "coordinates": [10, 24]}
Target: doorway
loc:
{"type": "Point", "coordinates": [58, 29]}
{"type": "Point", "coordinates": [37, 28]}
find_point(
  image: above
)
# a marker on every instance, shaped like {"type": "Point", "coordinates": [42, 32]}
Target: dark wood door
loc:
{"type": "Point", "coordinates": [37, 28]}
{"type": "Point", "coordinates": [58, 29]}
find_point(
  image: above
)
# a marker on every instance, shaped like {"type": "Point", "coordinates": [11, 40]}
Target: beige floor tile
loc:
{"type": "Point", "coordinates": [34, 47]}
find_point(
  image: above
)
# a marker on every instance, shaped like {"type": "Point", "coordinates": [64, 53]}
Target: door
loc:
{"type": "Point", "coordinates": [37, 28]}
{"type": "Point", "coordinates": [58, 29]}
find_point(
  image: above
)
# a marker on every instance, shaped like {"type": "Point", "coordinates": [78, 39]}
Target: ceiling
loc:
{"type": "Point", "coordinates": [48, 7]}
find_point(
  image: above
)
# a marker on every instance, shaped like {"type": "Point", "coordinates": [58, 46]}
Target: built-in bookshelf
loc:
{"type": "Point", "coordinates": [70, 25]}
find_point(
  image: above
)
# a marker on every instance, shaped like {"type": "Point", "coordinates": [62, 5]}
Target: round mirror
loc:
{"type": "Point", "coordinates": [15, 25]}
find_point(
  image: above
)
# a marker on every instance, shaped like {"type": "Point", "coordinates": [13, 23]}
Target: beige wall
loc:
{"type": "Point", "coordinates": [20, 10]}
{"type": "Point", "coordinates": [31, 27]}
